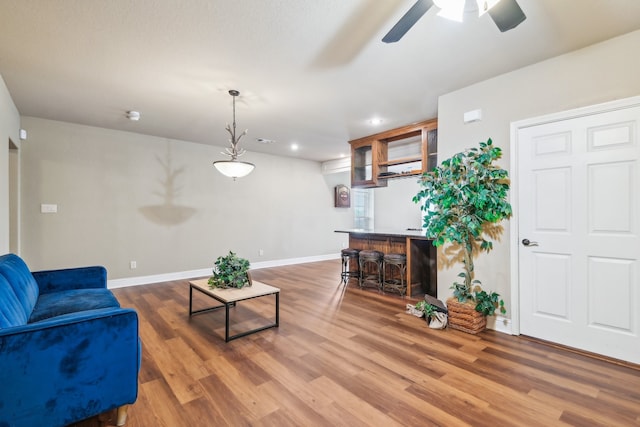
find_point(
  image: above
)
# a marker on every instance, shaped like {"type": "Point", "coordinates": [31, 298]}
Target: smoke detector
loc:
{"type": "Point", "coordinates": [133, 115]}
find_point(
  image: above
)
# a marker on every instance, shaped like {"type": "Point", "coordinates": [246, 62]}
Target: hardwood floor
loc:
{"type": "Point", "coordinates": [354, 358]}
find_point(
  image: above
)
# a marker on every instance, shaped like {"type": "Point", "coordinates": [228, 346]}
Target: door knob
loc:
{"type": "Point", "coordinates": [528, 242]}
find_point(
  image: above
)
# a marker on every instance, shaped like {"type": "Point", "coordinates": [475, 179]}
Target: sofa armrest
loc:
{"type": "Point", "coordinates": [71, 278]}
{"type": "Point", "coordinates": [68, 368]}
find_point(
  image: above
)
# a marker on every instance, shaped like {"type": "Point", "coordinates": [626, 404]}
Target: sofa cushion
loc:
{"type": "Point", "coordinates": [11, 311]}
{"type": "Point", "coordinates": [71, 301]}
{"type": "Point", "coordinates": [17, 274]}
{"type": "Point", "coordinates": [70, 278]}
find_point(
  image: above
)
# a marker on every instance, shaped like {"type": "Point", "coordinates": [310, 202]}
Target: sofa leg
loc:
{"type": "Point", "coordinates": [122, 415]}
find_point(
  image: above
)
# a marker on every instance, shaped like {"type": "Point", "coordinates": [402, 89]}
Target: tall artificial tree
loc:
{"type": "Point", "coordinates": [462, 200]}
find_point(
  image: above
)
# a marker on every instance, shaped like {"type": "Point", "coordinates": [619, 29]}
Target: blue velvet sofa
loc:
{"type": "Point", "coordinates": [67, 350]}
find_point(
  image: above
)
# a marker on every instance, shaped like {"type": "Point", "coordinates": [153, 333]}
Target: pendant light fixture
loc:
{"type": "Point", "coordinates": [234, 168]}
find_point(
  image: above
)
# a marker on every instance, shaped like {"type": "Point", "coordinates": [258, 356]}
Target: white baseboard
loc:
{"type": "Point", "coordinates": [499, 324]}
{"type": "Point", "coordinates": [190, 274]}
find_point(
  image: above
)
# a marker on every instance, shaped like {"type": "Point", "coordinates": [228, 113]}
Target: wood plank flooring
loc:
{"type": "Point", "coordinates": [346, 357]}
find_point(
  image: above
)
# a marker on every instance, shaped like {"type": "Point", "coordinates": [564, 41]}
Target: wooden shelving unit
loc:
{"type": "Point", "coordinates": [401, 161]}
{"type": "Point", "coordinates": [377, 158]}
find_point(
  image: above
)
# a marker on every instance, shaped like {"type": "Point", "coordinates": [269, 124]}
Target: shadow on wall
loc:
{"type": "Point", "coordinates": [168, 213]}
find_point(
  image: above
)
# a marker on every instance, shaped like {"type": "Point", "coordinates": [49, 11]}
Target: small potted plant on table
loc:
{"type": "Point", "coordinates": [464, 199]}
{"type": "Point", "coordinates": [230, 271]}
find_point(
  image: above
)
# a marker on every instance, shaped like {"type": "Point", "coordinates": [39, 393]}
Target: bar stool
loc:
{"type": "Point", "coordinates": [389, 280]}
{"type": "Point", "coordinates": [348, 255]}
{"type": "Point", "coordinates": [368, 277]}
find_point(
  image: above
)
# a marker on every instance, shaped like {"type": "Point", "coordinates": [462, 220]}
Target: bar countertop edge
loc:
{"type": "Point", "coordinates": [414, 233]}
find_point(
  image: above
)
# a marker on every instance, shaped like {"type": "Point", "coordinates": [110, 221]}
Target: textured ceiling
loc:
{"type": "Point", "coordinates": [311, 72]}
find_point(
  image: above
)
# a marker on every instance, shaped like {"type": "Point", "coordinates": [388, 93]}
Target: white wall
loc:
{"type": "Point", "coordinates": [344, 216]}
{"type": "Point", "coordinates": [9, 129]}
{"type": "Point", "coordinates": [394, 208]}
{"type": "Point", "coordinates": [123, 196]}
{"type": "Point", "coordinates": [592, 75]}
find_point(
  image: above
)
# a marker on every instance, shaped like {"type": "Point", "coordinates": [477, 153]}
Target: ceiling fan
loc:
{"type": "Point", "coordinates": [506, 14]}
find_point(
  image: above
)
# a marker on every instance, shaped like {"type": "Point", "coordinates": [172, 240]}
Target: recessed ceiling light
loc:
{"type": "Point", "coordinates": [294, 147]}
{"type": "Point", "coordinates": [375, 121]}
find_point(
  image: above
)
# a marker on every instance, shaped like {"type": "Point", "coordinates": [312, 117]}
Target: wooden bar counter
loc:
{"type": "Point", "coordinates": [421, 255]}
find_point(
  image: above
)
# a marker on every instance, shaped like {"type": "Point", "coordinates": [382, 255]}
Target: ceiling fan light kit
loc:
{"type": "Point", "coordinates": [451, 9]}
{"type": "Point", "coordinates": [506, 14]}
{"type": "Point", "coordinates": [485, 5]}
{"type": "Point", "coordinates": [456, 9]}
{"type": "Point", "coordinates": [234, 168]}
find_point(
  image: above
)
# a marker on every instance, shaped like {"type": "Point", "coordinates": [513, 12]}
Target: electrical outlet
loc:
{"type": "Point", "coordinates": [261, 252]}
{"type": "Point", "coordinates": [133, 265]}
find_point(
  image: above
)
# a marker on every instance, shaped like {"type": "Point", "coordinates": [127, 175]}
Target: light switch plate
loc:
{"type": "Point", "coordinates": [48, 208]}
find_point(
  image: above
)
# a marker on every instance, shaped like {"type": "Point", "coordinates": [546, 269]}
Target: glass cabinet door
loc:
{"type": "Point", "coordinates": [362, 163]}
{"type": "Point", "coordinates": [432, 150]}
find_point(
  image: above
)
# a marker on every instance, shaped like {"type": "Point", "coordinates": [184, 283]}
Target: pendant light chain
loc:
{"type": "Point", "coordinates": [234, 152]}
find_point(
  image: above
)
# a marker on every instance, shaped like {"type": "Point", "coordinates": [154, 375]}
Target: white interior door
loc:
{"type": "Point", "coordinates": [578, 206]}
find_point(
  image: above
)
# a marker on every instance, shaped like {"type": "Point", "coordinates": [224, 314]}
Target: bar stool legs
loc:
{"type": "Point", "coordinates": [375, 269]}
{"type": "Point", "coordinates": [395, 282]}
{"type": "Point", "coordinates": [369, 260]}
{"type": "Point", "coordinates": [349, 256]}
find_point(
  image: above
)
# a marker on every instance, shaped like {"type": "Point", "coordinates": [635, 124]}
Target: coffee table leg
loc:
{"type": "Point", "coordinates": [190, 300]}
{"type": "Point", "coordinates": [277, 309]}
{"type": "Point", "coordinates": [226, 323]}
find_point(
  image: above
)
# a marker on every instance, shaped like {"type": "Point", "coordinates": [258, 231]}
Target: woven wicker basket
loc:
{"type": "Point", "coordinates": [464, 317]}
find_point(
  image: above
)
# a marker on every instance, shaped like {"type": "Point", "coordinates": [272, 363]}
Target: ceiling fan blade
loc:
{"type": "Point", "coordinates": [507, 15]}
{"type": "Point", "coordinates": [407, 21]}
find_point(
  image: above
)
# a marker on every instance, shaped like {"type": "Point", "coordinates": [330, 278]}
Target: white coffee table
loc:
{"type": "Point", "coordinates": [229, 297]}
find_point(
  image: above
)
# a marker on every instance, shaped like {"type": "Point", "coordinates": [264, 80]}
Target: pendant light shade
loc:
{"type": "Point", "coordinates": [234, 168]}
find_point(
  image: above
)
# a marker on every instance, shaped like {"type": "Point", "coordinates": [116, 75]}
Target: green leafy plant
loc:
{"type": "Point", "coordinates": [230, 271]}
{"type": "Point", "coordinates": [487, 303]}
{"type": "Point", "coordinates": [426, 308]}
{"type": "Point", "coordinates": [463, 200]}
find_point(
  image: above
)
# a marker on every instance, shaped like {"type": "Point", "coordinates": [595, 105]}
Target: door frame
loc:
{"type": "Point", "coordinates": [14, 197]}
{"type": "Point", "coordinates": [514, 237]}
